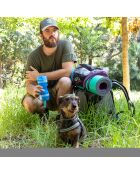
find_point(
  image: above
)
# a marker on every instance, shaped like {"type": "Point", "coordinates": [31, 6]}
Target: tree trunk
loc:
{"type": "Point", "coordinates": [90, 61]}
{"type": "Point", "coordinates": [125, 61]}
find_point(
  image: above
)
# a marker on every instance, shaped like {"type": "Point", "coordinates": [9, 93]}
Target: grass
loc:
{"type": "Point", "coordinates": [19, 129]}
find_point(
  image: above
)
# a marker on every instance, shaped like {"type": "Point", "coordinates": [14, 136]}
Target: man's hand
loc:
{"type": "Point", "coordinates": [32, 75]}
{"type": "Point", "coordinates": [36, 90]}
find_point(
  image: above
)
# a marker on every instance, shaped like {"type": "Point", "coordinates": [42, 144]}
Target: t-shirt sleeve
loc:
{"type": "Point", "coordinates": [68, 53]}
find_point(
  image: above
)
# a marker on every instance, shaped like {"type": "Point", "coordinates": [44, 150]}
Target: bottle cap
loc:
{"type": "Point", "coordinates": [42, 79]}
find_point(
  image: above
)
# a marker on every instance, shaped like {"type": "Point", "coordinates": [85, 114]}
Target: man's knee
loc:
{"type": "Point", "coordinates": [28, 104]}
{"type": "Point", "coordinates": [32, 105]}
{"type": "Point", "coordinates": [65, 82]}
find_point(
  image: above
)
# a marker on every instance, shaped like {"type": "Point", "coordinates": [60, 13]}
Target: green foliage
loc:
{"type": "Point", "coordinates": [134, 57]}
{"type": "Point", "coordinates": [68, 24]}
{"type": "Point", "coordinates": [113, 24]}
{"type": "Point", "coordinates": [88, 37]}
{"type": "Point", "coordinates": [18, 39]}
{"type": "Point", "coordinates": [96, 40]}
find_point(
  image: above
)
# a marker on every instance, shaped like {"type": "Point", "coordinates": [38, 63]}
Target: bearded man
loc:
{"type": "Point", "coordinates": [55, 59]}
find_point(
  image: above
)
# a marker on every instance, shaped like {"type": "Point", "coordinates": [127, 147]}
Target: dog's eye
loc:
{"type": "Point", "coordinates": [77, 98]}
{"type": "Point", "coordinates": [66, 99]}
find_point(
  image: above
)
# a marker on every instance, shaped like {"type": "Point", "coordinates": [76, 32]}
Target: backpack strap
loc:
{"type": "Point", "coordinates": [131, 106]}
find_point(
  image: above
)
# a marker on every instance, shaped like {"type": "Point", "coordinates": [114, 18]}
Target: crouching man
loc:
{"type": "Point", "coordinates": [55, 59]}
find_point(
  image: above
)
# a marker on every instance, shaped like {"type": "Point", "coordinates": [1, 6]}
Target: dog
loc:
{"type": "Point", "coordinates": [71, 128]}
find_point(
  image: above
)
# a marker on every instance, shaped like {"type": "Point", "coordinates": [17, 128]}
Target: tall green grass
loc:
{"type": "Point", "coordinates": [19, 129]}
{"type": "Point", "coordinates": [109, 132]}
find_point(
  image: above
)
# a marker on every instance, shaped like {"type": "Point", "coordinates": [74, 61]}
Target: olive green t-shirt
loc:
{"type": "Point", "coordinates": [44, 63]}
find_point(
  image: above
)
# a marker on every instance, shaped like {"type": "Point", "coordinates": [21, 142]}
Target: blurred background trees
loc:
{"type": "Point", "coordinates": [97, 41]}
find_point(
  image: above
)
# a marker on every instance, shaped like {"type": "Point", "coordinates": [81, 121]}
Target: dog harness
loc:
{"type": "Point", "coordinates": [70, 124]}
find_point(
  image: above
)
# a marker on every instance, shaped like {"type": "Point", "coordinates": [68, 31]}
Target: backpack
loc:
{"type": "Point", "coordinates": [97, 91]}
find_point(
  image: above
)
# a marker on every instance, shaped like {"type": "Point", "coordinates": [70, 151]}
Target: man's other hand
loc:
{"type": "Point", "coordinates": [32, 75]}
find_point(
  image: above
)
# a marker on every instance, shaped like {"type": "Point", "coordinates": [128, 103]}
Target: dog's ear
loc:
{"type": "Point", "coordinates": [60, 99]}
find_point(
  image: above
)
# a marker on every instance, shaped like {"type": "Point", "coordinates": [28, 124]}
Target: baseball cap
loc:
{"type": "Point", "coordinates": [47, 23]}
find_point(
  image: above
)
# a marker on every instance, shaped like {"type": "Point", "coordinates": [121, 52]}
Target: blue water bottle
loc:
{"type": "Point", "coordinates": [44, 95]}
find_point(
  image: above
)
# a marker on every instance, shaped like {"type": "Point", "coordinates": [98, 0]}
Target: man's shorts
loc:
{"type": "Point", "coordinates": [52, 103]}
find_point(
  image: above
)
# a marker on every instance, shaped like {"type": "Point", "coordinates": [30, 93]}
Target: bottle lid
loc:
{"type": "Point", "coordinates": [42, 79]}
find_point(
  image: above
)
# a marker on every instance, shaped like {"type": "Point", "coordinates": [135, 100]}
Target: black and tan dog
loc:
{"type": "Point", "coordinates": [71, 128]}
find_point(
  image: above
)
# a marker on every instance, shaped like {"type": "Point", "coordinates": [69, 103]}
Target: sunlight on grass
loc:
{"type": "Point", "coordinates": [1, 92]}
{"type": "Point", "coordinates": [135, 96]}
{"type": "Point", "coordinates": [19, 129]}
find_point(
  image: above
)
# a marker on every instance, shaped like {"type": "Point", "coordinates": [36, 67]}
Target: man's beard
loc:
{"type": "Point", "coordinates": [50, 44]}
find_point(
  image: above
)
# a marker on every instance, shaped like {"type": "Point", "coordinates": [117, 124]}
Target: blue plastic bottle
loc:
{"type": "Point", "coordinates": [44, 95]}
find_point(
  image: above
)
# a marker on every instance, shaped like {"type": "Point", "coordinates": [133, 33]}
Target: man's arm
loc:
{"type": "Point", "coordinates": [64, 72]}
{"type": "Point", "coordinates": [54, 75]}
